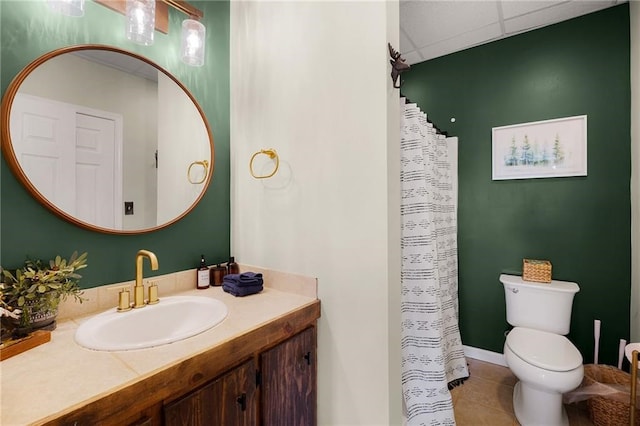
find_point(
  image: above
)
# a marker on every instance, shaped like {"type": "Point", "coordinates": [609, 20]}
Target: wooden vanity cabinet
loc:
{"type": "Point", "coordinates": [289, 381]}
{"type": "Point", "coordinates": [284, 387]}
{"type": "Point", "coordinates": [274, 385]}
{"type": "Point", "coordinates": [150, 416]}
{"type": "Point", "coordinates": [229, 400]}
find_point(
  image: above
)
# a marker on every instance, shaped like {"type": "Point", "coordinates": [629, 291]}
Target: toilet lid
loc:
{"type": "Point", "coordinates": [542, 349]}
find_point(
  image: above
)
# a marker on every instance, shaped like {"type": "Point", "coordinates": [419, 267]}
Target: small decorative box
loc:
{"type": "Point", "coordinates": [536, 270]}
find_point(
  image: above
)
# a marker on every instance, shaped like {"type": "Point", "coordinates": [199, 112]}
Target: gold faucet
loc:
{"type": "Point", "coordinates": [138, 291]}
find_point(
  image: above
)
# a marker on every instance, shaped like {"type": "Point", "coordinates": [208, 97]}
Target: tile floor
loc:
{"type": "Point", "coordinates": [486, 398]}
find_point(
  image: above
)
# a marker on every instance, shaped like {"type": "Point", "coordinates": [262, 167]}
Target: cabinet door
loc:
{"type": "Point", "coordinates": [229, 400]}
{"type": "Point", "coordinates": [151, 416]}
{"type": "Point", "coordinates": [289, 382]}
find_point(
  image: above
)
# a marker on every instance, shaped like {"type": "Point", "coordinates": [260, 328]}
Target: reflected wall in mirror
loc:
{"type": "Point", "coordinates": [107, 139]}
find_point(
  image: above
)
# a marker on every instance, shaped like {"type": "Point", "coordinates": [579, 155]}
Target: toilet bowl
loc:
{"type": "Point", "coordinates": [545, 362]}
{"type": "Point", "coordinates": [546, 365]}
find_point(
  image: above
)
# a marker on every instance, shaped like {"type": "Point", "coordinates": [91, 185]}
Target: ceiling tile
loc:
{"type": "Point", "coordinates": [433, 28]}
{"type": "Point", "coordinates": [412, 57]}
{"type": "Point", "coordinates": [428, 22]}
{"type": "Point", "coordinates": [552, 15]}
{"type": "Point", "coordinates": [405, 43]}
{"type": "Point", "coordinates": [461, 42]}
{"type": "Point", "coordinates": [511, 9]}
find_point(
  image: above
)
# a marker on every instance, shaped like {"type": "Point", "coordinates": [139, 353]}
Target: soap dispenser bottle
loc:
{"type": "Point", "coordinates": [203, 274]}
{"type": "Point", "coordinates": [232, 266]}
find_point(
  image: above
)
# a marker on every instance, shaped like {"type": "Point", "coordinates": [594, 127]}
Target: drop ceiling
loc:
{"type": "Point", "coordinates": [433, 28]}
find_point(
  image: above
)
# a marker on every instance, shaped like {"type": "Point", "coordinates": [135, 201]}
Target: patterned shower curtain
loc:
{"type": "Point", "coordinates": [432, 356]}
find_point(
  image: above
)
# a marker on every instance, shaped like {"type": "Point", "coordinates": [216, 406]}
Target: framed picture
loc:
{"type": "Point", "coordinates": [540, 149]}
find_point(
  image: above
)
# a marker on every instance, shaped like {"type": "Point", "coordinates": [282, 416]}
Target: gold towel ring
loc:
{"type": "Point", "coordinates": [271, 153]}
{"type": "Point", "coordinates": [203, 163]}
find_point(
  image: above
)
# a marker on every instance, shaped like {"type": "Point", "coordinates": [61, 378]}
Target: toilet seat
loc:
{"type": "Point", "coordinates": [545, 350]}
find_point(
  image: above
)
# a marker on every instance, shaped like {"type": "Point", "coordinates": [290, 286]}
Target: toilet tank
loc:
{"type": "Point", "coordinates": [540, 306]}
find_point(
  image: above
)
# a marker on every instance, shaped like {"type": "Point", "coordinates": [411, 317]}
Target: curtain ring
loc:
{"type": "Point", "coordinates": [271, 153]}
{"type": "Point", "coordinates": [203, 163]}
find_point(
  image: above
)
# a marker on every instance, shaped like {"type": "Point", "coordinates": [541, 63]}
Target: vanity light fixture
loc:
{"type": "Point", "coordinates": [141, 21]}
{"type": "Point", "coordinates": [193, 31]}
{"type": "Point", "coordinates": [193, 38]}
{"type": "Point", "coordinates": [67, 7]}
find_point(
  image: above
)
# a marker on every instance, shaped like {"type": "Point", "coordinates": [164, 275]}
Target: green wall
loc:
{"type": "Point", "coordinates": [581, 224]}
{"type": "Point", "coordinates": [29, 30]}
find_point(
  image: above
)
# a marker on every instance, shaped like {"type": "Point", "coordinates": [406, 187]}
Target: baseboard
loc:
{"type": "Point", "coordinates": [484, 355]}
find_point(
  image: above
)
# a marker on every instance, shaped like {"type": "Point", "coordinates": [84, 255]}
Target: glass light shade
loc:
{"type": "Point", "coordinates": [67, 7]}
{"type": "Point", "coordinates": [141, 21]}
{"type": "Point", "coordinates": [193, 37]}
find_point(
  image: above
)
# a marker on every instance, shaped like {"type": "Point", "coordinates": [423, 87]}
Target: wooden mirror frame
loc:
{"type": "Point", "coordinates": [12, 161]}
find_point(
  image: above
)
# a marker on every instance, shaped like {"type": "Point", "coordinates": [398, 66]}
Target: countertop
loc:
{"type": "Point", "coordinates": [60, 376]}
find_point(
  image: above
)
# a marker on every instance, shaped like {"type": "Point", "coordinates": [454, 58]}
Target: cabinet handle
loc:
{"type": "Point", "coordinates": [307, 356]}
{"type": "Point", "coordinates": [242, 400]}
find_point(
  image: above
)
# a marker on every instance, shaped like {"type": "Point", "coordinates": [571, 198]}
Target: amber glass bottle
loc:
{"type": "Point", "coordinates": [217, 274]}
{"type": "Point", "coordinates": [232, 266]}
{"type": "Point", "coordinates": [203, 274]}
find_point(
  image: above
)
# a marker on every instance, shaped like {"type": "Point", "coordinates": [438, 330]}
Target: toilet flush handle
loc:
{"type": "Point", "coordinates": [514, 290]}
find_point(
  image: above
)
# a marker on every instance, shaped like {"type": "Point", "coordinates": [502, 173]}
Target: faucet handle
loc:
{"type": "Point", "coordinates": [153, 293]}
{"type": "Point", "coordinates": [124, 297]}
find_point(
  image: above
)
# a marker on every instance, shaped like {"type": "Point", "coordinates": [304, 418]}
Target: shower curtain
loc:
{"type": "Point", "coordinates": [432, 356]}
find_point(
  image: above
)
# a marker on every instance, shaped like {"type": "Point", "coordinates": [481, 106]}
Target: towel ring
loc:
{"type": "Point", "coordinates": [271, 153]}
{"type": "Point", "coordinates": [203, 163]}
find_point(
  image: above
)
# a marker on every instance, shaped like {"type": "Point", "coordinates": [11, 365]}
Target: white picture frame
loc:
{"type": "Point", "coordinates": [540, 149]}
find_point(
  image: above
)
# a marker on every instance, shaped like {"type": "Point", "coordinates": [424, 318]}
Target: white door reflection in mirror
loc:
{"type": "Point", "coordinates": [40, 131]}
{"type": "Point", "coordinates": [96, 195]}
{"type": "Point", "coordinates": [69, 152]}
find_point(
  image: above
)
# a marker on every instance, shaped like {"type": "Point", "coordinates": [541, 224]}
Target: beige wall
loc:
{"type": "Point", "coordinates": [311, 80]}
{"type": "Point", "coordinates": [635, 170]}
{"type": "Point", "coordinates": [394, 223]}
{"type": "Point", "coordinates": [182, 145]}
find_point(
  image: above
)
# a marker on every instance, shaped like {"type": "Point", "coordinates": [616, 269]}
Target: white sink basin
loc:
{"type": "Point", "coordinates": [174, 318]}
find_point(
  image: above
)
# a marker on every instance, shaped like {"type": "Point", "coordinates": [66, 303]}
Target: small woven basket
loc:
{"type": "Point", "coordinates": [536, 270]}
{"type": "Point", "coordinates": [605, 411]}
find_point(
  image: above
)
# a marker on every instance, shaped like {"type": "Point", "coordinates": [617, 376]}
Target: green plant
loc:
{"type": "Point", "coordinates": [39, 287]}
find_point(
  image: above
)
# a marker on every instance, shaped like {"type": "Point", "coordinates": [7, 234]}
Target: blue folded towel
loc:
{"type": "Point", "coordinates": [240, 291]}
{"type": "Point", "coordinates": [244, 279]}
{"type": "Point", "coordinates": [250, 277]}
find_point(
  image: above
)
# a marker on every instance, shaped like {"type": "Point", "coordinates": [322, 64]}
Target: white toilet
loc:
{"type": "Point", "coordinates": [546, 363]}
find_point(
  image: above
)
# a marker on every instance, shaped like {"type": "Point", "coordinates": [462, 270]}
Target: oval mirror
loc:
{"type": "Point", "coordinates": [106, 139]}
